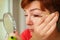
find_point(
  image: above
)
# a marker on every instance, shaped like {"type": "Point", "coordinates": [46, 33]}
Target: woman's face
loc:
{"type": "Point", "coordinates": [34, 14]}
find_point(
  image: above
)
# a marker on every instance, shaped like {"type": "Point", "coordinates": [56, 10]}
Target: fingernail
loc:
{"type": "Point", "coordinates": [57, 13]}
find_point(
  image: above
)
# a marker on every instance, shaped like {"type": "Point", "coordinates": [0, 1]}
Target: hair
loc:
{"type": "Point", "coordinates": [51, 5]}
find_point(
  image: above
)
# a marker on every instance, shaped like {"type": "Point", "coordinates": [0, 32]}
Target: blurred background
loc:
{"type": "Point", "coordinates": [13, 7]}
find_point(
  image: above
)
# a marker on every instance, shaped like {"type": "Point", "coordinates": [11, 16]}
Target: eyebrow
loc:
{"type": "Point", "coordinates": [35, 9]}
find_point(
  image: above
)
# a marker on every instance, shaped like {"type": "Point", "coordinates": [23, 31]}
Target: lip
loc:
{"type": "Point", "coordinates": [31, 30]}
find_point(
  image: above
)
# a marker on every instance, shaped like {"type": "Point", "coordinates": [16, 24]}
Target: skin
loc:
{"type": "Point", "coordinates": [42, 24]}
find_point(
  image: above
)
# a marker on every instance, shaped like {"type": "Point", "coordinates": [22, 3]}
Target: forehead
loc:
{"type": "Point", "coordinates": [33, 5]}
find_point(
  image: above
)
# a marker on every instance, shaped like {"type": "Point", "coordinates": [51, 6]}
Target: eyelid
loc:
{"type": "Point", "coordinates": [35, 15]}
{"type": "Point", "coordinates": [25, 15]}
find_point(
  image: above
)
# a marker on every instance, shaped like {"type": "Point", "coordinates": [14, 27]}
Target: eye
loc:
{"type": "Point", "coordinates": [26, 15]}
{"type": "Point", "coordinates": [37, 16]}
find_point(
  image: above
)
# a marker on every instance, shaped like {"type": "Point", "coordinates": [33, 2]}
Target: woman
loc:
{"type": "Point", "coordinates": [41, 18]}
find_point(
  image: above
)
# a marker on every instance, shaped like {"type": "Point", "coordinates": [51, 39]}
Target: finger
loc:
{"type": "Point", "coordinates": [40, 21]}
{"type": "Point", "coordinates": [54, 20]}
{"type": "Point", "coordinates": [48, 33]}
{"type": "Point", "coordinates": [37, 29]}
{"type": "Point", "coordinates": [12, 34]}
{"type": "Point", "coordinates": [47, 21]}
{"type": "Point", "coordinates": [35, 26]}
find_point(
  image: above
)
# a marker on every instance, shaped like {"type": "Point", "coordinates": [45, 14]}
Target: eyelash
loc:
{"type": "Point", "coordinates": [34, 15]}
{"type": "Point", "coordinates": [37, 16]}
{"type": "Point", "coordinates": [25, 15]}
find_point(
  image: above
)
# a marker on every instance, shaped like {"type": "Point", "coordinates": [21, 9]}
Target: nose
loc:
{"type": "Point", "coordinates": [29, 21]}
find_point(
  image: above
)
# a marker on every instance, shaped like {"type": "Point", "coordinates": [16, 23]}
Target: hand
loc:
{"type": "Point", "coordinates": [13, 36]}
{"type": "Point", "coordinates": [46, 27]}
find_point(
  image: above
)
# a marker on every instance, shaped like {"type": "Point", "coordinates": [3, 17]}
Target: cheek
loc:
{"type": "Point", "coordinates": [36, 21]}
